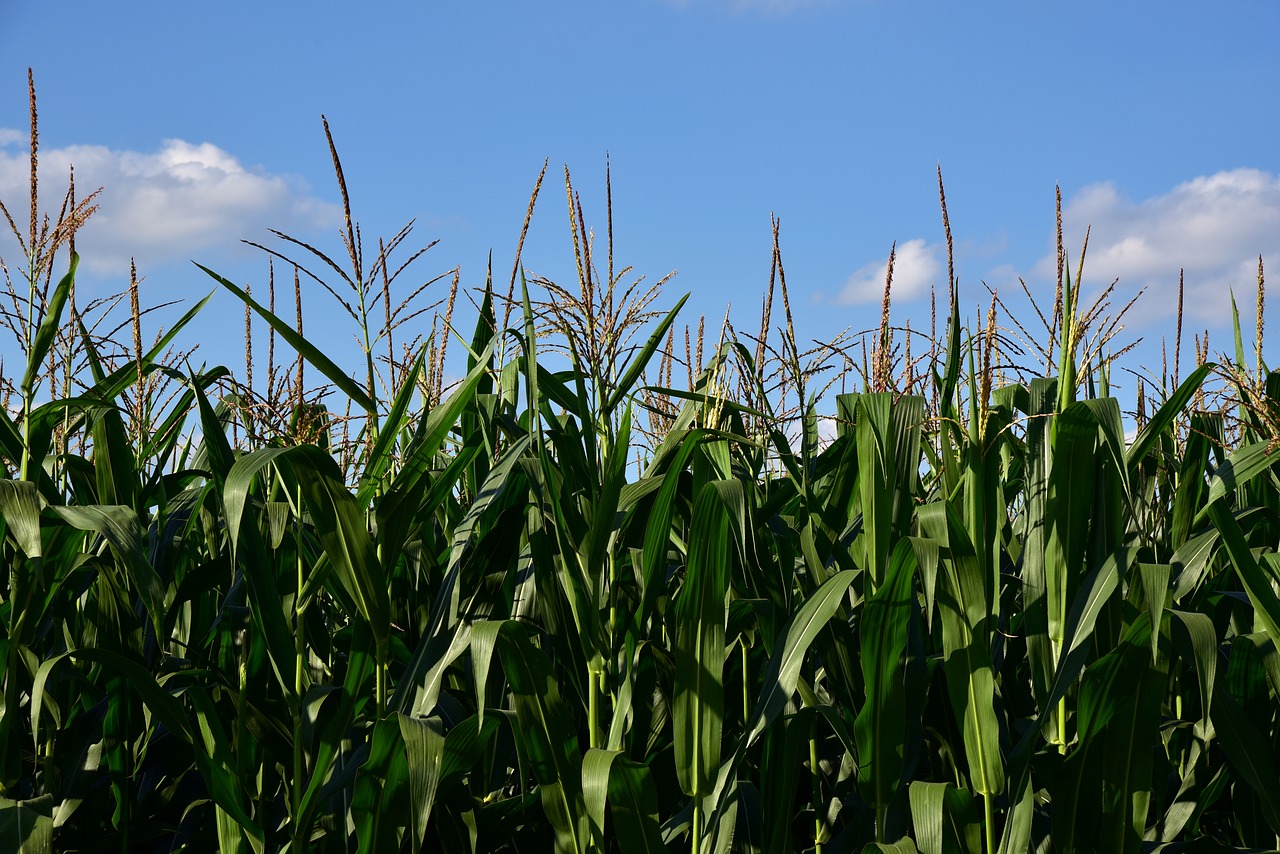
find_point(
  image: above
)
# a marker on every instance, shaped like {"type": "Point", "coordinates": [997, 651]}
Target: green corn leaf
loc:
{"type": "Point", "coordinates": [928, 814]}
{"type": "Point", "coordinates": [239, 482]}
{"type": "Point", "coordinates": [613, 476]}
{"type": "Point", "coordinates": [120, 528]}
{"type": "Point", "coordinates": [379, 790]}
{"type": "Point", "coordinates": [314, 355]}
{"type": "Point", "coordinates": [114, 462]}
{"type": "Point", "coordinates": [502, 476]}
{"type": "Point", "coordinates": [1242, 466]}
{"type": "Point", "coordinates": [1163, 418]}
{"type": "Point", "coordinates": [1128, 748]}
{"type": "Point", "coordinates": [213, 766]}
{"type": "Point", "coordinates": [658, 528]}
{"type": "Point", "coordinates": [378, 461]}
{"type": "Point", "coordinates": [48, 329]}
{"type": "Point", "coordinates": [20, 507]}
{"type": "Point", "coordinates": [595, 787]}
{"type": "Point", "coordinates": [779, 678]}
{"type": "Point", "coordinates": [966, 628]}
{"type": "Point", "coordinates": [1069, 510]}
{"type": "Point", "coordinates": [1249, 752]}
{"type": "Point", "coordinates": [26, 826]}
{"type": "Point", "coordinates": [484, 640]}
{"type": "Point", "coordinates": [418, 689]}
{"type": "Point", "coordinates": [1016, 837]}
{"type": "Point", "coordinates": [637, 364]}
{"type": "Point", "coordinates": [339, 524]}
{"type": "Point", "coordinates": [1191, 562]}
{"type": "Point", "coordinates": [550, 741]}
{"type": "Point", "coordinates": [881, 726]}
{"type": "Point", "coordinates": [945, 819]}
{"type": "Point", "coordinates": [902, 846]}
{"type": "Point", "coordinates": [633, 800]}
{"type": "Point", "coordinates": [424, 744]}
{"type": "Point", "coordinates": [436, 425]}
{"type": "Point", "coordinates": [1034, 528]}
{"type": "Point", "coordinates": [699, 650]}
{"type": "Point", "coordinates": [1266, 605]}
{"type": "Point", "coordinates": [341, 528]}
{"type": "Point", "coordinates": [1155, 587]}
{"type": "Point", "coordinates": [1196, 640]}
{"type": "Point", "coordinates": [1191, 488]}
{"type": "Point", "coordinates": [234, 820]}
{"type": "Point", "coordinates": [888, 440]}
{"type": "Point", "coordinates": [1102, 796]}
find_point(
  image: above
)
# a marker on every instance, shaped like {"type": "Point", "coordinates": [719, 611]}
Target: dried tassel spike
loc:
{"type": "Point", "coordinates": [35, 178]}
{"type": "Point", "coordinates": [988, 352]}
{"type": "Point", "coordinates": [1262, 292]}
{"type": "Point", "coordinates": [1141, 415]}
{"type": "Point", "coordinates": [702, 323]}
{"type": "Point", "coordinates": [884, 340]}
{"type": "Point", "coordinates": [1177, 337]}
{"type": "Point", "coordinates": [444, 342]}
{"type": "Point", "coordinates": [248, 342]}
{"type": "Point", "coordinates": [782, 284]}
{"type": "Point", "coordinates": [271, 330]}
{"type": "Point", "coordinates": [910, 380]}
{"type": "Point", "coordinates": [688, 356]}
{"type": "Point", "coordinates": [1062, 260]}
{"type": "Point", "coordinates": [388, 328]}
{"type": "Point", "coordinates": [297, 309]}
{"type": "Point", "coordinates": [946, 228]}
{"type": "Point", "coordinates": [349, 237]}
{"type": "Point", "coordinates": [766, 313]}
{"type": "Point", "coordinates": [524, 231]}
{"type": "Point", "coordinates": [668, 357]}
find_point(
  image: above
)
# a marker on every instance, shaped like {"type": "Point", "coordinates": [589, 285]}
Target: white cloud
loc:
{"type": "Point", "coordinates": [173, 204]}
{"type": "Point", "coordinates": [916, 266]}
{"type": "Point", "coordinates": [1214, 227]}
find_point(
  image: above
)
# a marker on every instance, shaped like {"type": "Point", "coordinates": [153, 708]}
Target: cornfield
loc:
{"type": "Point", "coordinates": [604, 592]}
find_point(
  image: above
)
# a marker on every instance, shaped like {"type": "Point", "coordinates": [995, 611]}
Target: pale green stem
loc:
{"type": "Point", "coordinates": [300, 652]}
{"type": "Point", "coordinates": [381, 654]}
{"type": "Point", "coordinates": [1062, 726]}
{"type": "Point", "coordinates": [28, 393]}
{"type": "Point", "coordinates": [613, 605]}
{"type": "Point", "coordinates": [382, 680]}
{"type": "Point", "coordinates": [817, 796]}
{"type": "Point", "coordinates": [697, 823]}
{"type": "Point", "coordinates": [242, 708]}
{"type": "Point", "coordinates": [990, 810]}
{"type": "Point", "coordinates": [593, 712]}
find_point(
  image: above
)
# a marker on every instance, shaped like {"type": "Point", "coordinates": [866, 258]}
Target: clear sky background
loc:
{"type": "Point", "coordinates": [202, 122]}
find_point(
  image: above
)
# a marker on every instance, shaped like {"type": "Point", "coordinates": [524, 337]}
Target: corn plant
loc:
{"type": "Point", "coordinates": [503, 616]}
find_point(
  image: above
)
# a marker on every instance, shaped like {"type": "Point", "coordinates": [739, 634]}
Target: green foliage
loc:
{"type": "Point", "coordinates": [516, 619]}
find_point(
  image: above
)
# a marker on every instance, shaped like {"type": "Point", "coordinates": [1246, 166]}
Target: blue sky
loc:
{"type": "Point", "coordinates": [202, 122]}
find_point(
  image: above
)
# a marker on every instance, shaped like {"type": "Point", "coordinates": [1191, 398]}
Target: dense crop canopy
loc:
{"type": "Point", "coordinates": [570, 604]}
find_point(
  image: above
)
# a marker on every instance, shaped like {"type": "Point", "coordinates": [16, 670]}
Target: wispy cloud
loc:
{"type": "Point", "coordinates": [916, 266]}
{"type": "Point", "coordinates": [172, 204]}
{"type": "Point", "coordinates": [1214, 227]}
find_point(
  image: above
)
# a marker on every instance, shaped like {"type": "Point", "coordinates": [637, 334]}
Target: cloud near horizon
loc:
{"type": "Point", "coordinates": [916, 265]}
{"type": "Point", "coordinates": [168, 205]}
{"type": "Point", "coordinates": [1214, 227]}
